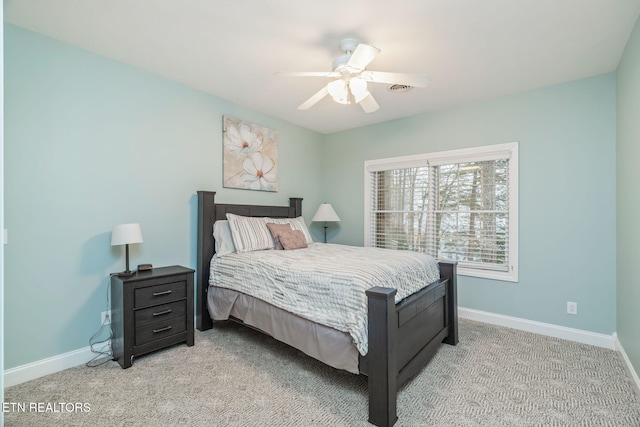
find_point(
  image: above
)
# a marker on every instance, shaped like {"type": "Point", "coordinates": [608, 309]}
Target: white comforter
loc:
{"type": "Point", "coordinates": [325, 283]}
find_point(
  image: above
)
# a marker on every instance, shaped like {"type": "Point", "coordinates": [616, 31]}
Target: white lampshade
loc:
{"type": "Point", "coordinates": [358, 89]}
{"type": "Point", "coordinates": [124, 234]}
{"type": "Point", "coordinates": [325, 213]}
{"type": "Point", "coordinates": [338, 91]}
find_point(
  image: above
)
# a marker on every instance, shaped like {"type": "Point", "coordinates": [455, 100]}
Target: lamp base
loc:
{"type": "Point", "coordinates": [126, 273]}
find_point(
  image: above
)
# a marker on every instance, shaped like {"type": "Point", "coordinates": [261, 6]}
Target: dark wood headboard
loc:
{"type": "Point", "coordinates": [209, 212]}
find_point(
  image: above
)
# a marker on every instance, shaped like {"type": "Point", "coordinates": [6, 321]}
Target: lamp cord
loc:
{"type": "Point", "coordinates": [107, 353]}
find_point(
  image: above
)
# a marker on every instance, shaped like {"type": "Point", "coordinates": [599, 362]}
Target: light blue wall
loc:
{"type": "Point", "coordinates": [566, 136]}
{"type": "Point", "coordinates": [628, 200]}
{"type": "Point", "coordinates": [91, 143]}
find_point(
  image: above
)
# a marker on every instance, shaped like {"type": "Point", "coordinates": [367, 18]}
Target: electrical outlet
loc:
{"type": "Point", "coordinates": [106, 317]}
{"type": "Point", "coordinates": [572, 307]}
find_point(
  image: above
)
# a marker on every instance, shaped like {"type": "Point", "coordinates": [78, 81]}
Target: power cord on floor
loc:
{"type": "Point", "coordinates": [105, 353]}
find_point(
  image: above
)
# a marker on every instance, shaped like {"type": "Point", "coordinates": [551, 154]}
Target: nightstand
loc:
{"type": "Point", "coordinates": [151, 310]}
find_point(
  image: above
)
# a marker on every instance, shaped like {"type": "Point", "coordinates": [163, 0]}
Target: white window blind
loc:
{"type": "Point", "coordinates": [457, 205]}
{"type": "Point", "coordinates": [399, 215]}
{"type": "Point", "coordinates": [472, 214]}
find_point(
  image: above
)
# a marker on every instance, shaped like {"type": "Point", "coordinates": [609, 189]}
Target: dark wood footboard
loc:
{"type": "Point", "coordinates": [404, 337]}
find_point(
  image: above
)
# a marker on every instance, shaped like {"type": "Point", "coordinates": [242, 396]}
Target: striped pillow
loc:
{"type": "Point", "coordinates": [249, 233]}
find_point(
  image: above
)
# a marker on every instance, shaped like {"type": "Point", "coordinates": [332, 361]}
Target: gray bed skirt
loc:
{"type": "Point", "coordinates": [330, 346]}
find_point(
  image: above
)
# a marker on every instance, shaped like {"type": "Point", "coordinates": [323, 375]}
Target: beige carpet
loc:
{"type": "Point", "coordinates": [237, 377]}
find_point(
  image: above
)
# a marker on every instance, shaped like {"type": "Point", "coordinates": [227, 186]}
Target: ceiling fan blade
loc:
{"type": "Point", "coordinates": [308, 73]}
{"type": "Point", "coordinates": [314, 99]}
{"type": "Point", "coordinates": [362, 56]}
{"type": "Point", "coordinates": [415, 80]}
{"type": "Point", "coordinates": [369, 104]}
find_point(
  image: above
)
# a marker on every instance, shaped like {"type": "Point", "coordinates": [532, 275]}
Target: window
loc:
{"type": "Point", "coordinates": [457, 205]}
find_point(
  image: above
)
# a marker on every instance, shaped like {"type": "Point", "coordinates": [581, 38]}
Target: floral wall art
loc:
{"type": "Point", "coordinates": [250, 156]}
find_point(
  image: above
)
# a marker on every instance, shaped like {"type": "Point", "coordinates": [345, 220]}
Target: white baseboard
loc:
{"type": "Point", "coordinates": [577, 335]}
{"type": "Point", "coordinates": [627, 362]}
{"type": "Point", "coordinates": [50, 365]}
{"type": "Point", "coordinates": [600, 340]}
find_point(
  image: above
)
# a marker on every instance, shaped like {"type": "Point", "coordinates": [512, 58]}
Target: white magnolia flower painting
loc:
{"type": "Point", "coordinates": [250, 156]}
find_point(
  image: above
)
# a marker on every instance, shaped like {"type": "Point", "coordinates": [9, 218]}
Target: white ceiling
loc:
{"type": "Point", "coordinates": [471, 49]}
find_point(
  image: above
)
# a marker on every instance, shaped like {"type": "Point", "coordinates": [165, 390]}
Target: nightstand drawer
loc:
{"type": "Point", "coordinates": [159, 330]}
{"type": "Point", "coordinates": [159, 294]}
{"type": "Point", "coordinates": [160, 313]}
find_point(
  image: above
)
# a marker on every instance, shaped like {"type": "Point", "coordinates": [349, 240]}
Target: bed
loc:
{"type": "Point", "coordinates": [402, 336]}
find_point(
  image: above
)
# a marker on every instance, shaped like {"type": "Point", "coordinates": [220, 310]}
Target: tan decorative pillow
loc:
{"type": "Point", "coordinates": [295, 223]}
{"type": "Point", "coordinates": [275, 230]}
{"type": "Point", "coordinates": [293, 239]}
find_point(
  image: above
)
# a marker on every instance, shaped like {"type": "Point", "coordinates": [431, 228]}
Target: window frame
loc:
{"type": "Point", "coordinates": [474, 154]}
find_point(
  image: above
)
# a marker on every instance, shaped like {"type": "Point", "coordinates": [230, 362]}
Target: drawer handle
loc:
{"type": "Point", "coordinates": [160, 313]}
{"type": "Point", "coordinates": [166, 328]}
{"type": "Point", "coordinates": [157, 294]}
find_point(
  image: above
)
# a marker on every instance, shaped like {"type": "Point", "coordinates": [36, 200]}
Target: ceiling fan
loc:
{"type": "Point", "coordinates": [351, 77]}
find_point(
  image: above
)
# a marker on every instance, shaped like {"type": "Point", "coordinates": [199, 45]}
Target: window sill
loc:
{"type": "Point", "coordinates": [506, 276]}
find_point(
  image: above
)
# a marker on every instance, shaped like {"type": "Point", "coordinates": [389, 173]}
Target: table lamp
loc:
{"type": "Point", "coordinates": [325, 213]}
{"type": "Point", "coordinates": [126, 234]}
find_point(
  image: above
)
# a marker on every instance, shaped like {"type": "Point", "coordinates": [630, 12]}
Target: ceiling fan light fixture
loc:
{"type": "Point", "coordinates": [352, 78]}
{"type": "Point", "coordinates": [358, 89]}
{"type": "Point", "coordinates": [338, 91]}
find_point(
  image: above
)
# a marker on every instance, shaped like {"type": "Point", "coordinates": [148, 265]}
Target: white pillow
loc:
{"type": "Point", "coordinates": [296, 224]}
{"type": "Point", "coordinates": [223, 238]}
{"type": "Point", "coordinates": [249, 233]}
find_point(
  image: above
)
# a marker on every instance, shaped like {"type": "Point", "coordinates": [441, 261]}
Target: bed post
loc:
{"type": "Point", "coordinates": [296, 204]}
{"type": "Point", "coordinates": [383, 372]}
{"type": "Point", "coordinates": [206, 217]}
{"type": "Point", "coordinates": [449, 270]}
